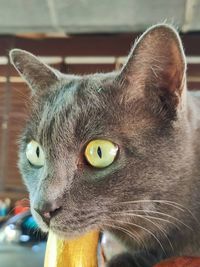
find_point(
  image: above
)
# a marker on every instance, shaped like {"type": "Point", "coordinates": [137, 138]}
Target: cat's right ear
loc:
{"type": "Point", "coordinates": [37, 74]}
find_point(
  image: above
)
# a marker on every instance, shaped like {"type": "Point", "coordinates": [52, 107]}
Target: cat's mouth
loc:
{"type": "Point", "coordinates": [72, 228]}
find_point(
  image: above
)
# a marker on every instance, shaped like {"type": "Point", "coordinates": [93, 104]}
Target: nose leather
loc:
{"type": "Point", "coordinates": [48, 209]}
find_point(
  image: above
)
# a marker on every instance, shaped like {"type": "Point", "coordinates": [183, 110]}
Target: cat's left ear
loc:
{"type": "Point", "coordinates": [37, 74]}
{"type": "Point", "coordinates": [156, 69]}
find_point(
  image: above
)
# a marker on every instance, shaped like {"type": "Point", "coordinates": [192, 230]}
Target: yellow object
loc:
{"type": "Point", "coordinates": [80, 252]}
{"type": "Point", "coordinates": [101, 153]}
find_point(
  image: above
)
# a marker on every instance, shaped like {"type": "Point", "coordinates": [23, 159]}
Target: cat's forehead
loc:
{"type": "Point", "coordinates": [79, 108]}
{"type": "Point", "coordinates": [73, 88]}
{"type": "Point", "coordinates": [78, 94]}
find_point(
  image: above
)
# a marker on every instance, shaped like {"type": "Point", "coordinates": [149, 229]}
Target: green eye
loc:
{"type": "Point", "coordinates": [35, 154]}
{"type": "Point", "coordinates": [101, 153]}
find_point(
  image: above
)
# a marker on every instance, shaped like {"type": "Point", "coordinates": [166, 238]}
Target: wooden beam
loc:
{"type": "Point", "coordinates": [87, 45]}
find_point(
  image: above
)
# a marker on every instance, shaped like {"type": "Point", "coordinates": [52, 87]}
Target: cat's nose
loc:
{"type": "Point", "coordinates": [47, 209]}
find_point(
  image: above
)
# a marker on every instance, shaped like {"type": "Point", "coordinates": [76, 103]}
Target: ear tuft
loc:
{"type": "Point", "coordinates": [37, 74]}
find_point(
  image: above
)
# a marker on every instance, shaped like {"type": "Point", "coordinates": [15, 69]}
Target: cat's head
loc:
{"type": "Point", "coordinates": [99, 147]}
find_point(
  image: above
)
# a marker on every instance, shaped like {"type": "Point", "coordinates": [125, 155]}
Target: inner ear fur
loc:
{"type": "Point", "coordinates": [156, 68]}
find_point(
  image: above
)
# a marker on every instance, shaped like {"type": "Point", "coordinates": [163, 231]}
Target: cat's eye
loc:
{"type": "Point", "coordinates": [101, 153]}
{"type": "Point", "coordinates": [35, 154]}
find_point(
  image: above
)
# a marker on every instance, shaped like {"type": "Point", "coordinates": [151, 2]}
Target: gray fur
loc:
{"type": "Point", "coordinates": [145, 109]}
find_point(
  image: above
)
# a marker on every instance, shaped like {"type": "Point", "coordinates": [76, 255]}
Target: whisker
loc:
{"type": "Point", "coordinates": [164, 233]}
{"type": "Point", "coordinates": [11, 211]}
{"type": "Point", "coordinates": [166, 202]}
{"type": "Point", "coordinates": [154, 218]}
{"type": "Point", "coordinates": [129, 233]}
{"type": "Point", "coordinates": [164, 220]}
{"type": "Point", "coordinates": [155, 224]}
{"type": "Point", "coordinates": [159, 213]}
{"type": "Point", "coordinates": [143, 228]}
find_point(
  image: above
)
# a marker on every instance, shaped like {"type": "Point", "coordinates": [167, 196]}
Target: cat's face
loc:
{"type": "Point", "coordinates": [138, 111]}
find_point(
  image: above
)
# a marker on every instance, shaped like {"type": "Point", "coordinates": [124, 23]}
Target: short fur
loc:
{"type": "Point", "coordinates": [149, 197]}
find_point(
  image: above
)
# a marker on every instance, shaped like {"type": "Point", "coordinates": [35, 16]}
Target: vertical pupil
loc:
{"type": "Point", "coordinates": [38, 151]}
{"type": "Point", "coordinates": [99, 152]}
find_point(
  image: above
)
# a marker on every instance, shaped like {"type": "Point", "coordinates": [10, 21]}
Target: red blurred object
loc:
{"type": "Point", "coordinates": [21, 206]}
{"type": "Point", "coordinates": [180, 262]}
{"type": "Point", "coordinates": [20, 209]}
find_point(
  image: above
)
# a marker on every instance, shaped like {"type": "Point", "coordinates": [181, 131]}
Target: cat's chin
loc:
{"type": "Point", "coordinates": [68, 234]}
{"type": "Point", "coordinates": [62, 234]}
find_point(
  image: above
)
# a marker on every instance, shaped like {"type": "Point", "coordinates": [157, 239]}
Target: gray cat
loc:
{"type": "Point", "coordinates": [117, 151]}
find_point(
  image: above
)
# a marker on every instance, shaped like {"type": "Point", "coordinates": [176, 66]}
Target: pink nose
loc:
{"type": "Point", "coordinates": [47, 210]}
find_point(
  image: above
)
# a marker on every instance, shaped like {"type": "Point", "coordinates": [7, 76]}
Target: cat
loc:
{"type": "Point", "coordinates": [146, 192]}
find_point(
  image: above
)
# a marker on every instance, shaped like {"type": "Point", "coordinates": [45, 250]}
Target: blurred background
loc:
{"type": "Point", "coordinates": [74, 36]}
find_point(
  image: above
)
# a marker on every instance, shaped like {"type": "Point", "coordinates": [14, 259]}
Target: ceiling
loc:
{"type": "Point", "coordinates": [99, 16]}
